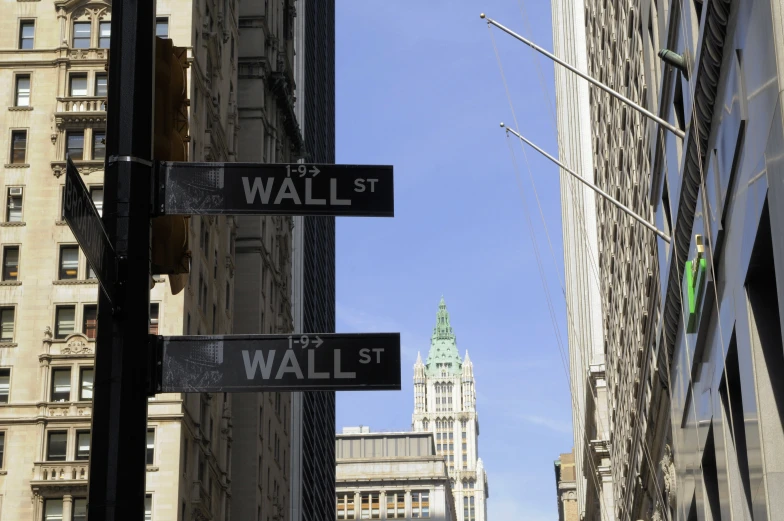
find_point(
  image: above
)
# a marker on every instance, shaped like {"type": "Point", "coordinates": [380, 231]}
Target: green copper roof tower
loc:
{"type": "Point", "coordinates": [443, 358]}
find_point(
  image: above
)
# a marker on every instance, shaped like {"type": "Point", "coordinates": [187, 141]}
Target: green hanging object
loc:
{"type": "Point", "coordinates": [695, 284]}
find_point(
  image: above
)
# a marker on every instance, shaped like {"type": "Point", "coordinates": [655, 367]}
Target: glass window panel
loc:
{"type": "Point", "coordinates": [81, 35]}
{"type": "Point", "coordinates": [53, 510]}
{"type": "Point", "coordinates": [82, 445]}
{"type": "Point", "coordinates": [154, 310]}
{"type": "Point", "coordinates": [90, 321]}
{"type": "Point", "coordinates": [69, 262]}
{"type": "Point", "coordinates": [5, 381]}
{"type": "Point", "coordinates": [2, 449]}
{"type": "Point", "coordinates": [148, 507]}
{"type": "Point", "coordinates": [26, 34]}
{"type": "Point", "coordinates": [99, 145]}
{"type": "Point", "coordinates": [55, 446]}
{"type": "Point", "coordinates": [104, 34]}
{"type": "Point", "coordinates": [7, 324]}
{"type": "Point", "coordinates": [91, 272]}
{"type": "Point", "coordinates": [61, 384]}
{"type": "Point", "coordinates": [78, 85]}
{"type": "Point", "coordinates": [162, 27]}
{"type": "Point", "coordinates": [14, 205]}
{"type": "Point", "coordinates": [11, 263]}
{"type": "Point", "coordinates": [96, 193]}
{"type": "Point", "coordinates": [65, 321]}
{"type": "Point", "coordinates": [86, 384]}
{"type": "Point", "coordinates": [75, 145]}
{"type": "Point", "coordinates": [150, 446]}
{"type": "Point", "coordinates": [22, 91]}
{"type": "Point", "coordinates": [101, 85]}
{"type": "Point", "coordinates": [79, 509]}
{"type": "Point", "coordinates": [18, 147]}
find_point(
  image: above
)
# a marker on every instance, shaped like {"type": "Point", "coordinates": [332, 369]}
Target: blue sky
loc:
{"type": "Point", "coordinates": [418, 87]}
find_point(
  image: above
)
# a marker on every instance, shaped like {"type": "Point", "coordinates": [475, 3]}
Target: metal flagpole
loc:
{"type": "Point", "coordinates": [598, 84]}
{"type": "Point", "coordinates": [593, 187]}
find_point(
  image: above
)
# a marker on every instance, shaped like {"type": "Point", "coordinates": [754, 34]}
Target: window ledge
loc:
{"type": "Point", "coordinates": [4, 472]}
{"type": "Point", "coordinates": [8, 344]}
{"type": "Point", "coordinates": [60, 223]}
{"type": "Point", "coordinates": [17, 165]}
{"type": "Point", "coordinates": [9, 225]}
{"type": "Point", "coordinates": [74, 282]}
{"type": "Point", "coordinates": [152, 468]}
{"type": "Point", "coordinates": [21, 109]}
{"type": "Point", "coordinates": [11, 283]}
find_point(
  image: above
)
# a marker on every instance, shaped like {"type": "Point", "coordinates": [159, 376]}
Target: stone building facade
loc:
{"type": "Point", "coordinates": [53, 61]}
{"type": "Point", "coordinates": [566, 486]}
{"type": "Point", "coordinates": [620, 392]}
{"type": "Point", "coordinates": [445, 404]}
{"type": "Point", "coordinates": [387, 475]}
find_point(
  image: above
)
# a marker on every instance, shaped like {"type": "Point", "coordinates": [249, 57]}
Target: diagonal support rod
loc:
{"type": "Point", "coordinates": [624, 209]}
{"type": "Point", "coordinates": [648, 114]}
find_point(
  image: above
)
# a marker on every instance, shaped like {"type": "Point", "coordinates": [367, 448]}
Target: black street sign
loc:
{"type": "Point", "coordinates": [253, 363]}
{"type": "Point", "coordinates": [85, 223]}
{"type": "Point", "coordinates": [275, 189]}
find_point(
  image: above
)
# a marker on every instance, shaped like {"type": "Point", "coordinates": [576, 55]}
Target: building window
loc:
{"type": "Point", "coordinates": [7, 324]}
{"type": "Point", "coordinates": [78, 85]}
{"type": "Point", "coordinates": [26, 34]}
{"type": "Point", "coordinates": [104, 34]}
{"type": "Point", "coordinates": [69, 263]}
{"type": "Point", "coordinates": [420, 504]}
{"type": "Point", "coordinates": [396, 505]}
{"type": "Point", "coordinates": [91, 273]}
{"type": "Point", "coordinates": [22, 96]}
{"type": "Point", "coordinates": [18, 147]}
{"type": "Point", "coordinates": [86, 384]}
{"type": "Point", "coordinates": [5, 385]}
{"type": "Point", "coordinates": [346, 505]}
{"type": "Point", "coordinates": [150, 446]}
{"type": "Point", "coordinates": [11, 263]}
{"type": "Point", "coordinates": [82, 446]}
{"type": "Point", "coordinates": [2, 449]}
{"type": "Point", "coordinates": [148, 507]}
{"type": "Point", "coordinates": [96, 193]}
{"type": "Point", "coordinates": [101, 85]}
{"type": "Point", "coordinates": [90, 321]}
{"type": "Point", "coordinates": [99, 145]}
{"type": "Point", "coordinates": [154, 310]}
{"type": "Point", "coordinates": [75, 145]}
{"type": "Point", "coordinates": [13, 212]}
{"type": "Point", "coordinates": [64, 321]}
{"type": "Point", "coordinates": [79, 509]}
{"type": "Point", "coordinates": [61, 384]}
{"type": "Point", "coordinates": [162, 27]}
{"type": "Point", "coordinates": [370, 506]}
{"type": "Point", "coordinates": [53, 510]}
{"type": "Point", "coordinates": [56, 441]}
{"type": "Point", "coordinates": [81, 35]}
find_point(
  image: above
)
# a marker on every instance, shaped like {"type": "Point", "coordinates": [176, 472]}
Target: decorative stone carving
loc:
{"type": "Point", "coordinates": [77, 345]}
{"type": "Point", "coordinates": [58, 411]}
{"type": "Point", "coordinates": [668, 472]}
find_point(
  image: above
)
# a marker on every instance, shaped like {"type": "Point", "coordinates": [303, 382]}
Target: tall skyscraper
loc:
{"type": "Point", "coordinates": [54, 59]}
{"type": "Point", "coordinates": [313, 413]}
{"type": "Point", "coordinates": [445, 404]}
{"type": "Point", "coordinates": [611, 266]}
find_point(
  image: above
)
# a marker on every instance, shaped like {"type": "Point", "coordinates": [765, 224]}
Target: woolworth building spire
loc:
{"type": "Point", "coordinates": [445, 404]}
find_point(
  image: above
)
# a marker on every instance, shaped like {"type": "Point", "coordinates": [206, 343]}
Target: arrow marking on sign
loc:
{"type": "Point", "coordinates": [315, 171]}
{"type": "Point", "coordinates": [318, 341]}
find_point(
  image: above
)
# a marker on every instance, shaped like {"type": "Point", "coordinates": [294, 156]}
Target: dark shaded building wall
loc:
{"type": "Point", "coordinates": [318, 408]}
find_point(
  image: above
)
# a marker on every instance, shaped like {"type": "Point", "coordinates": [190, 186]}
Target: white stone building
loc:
{"type": "Point", "coordinates": [445, 404]}
{"type": "Point", "coordinates": [391, 475]}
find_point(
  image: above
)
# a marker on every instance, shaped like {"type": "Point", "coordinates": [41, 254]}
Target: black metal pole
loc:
{"type": "Point", "coordinates": [119, 420]}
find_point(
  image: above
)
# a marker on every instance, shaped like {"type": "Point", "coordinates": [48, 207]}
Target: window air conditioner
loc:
{"type": "Point", "coordinates": [17, 190]}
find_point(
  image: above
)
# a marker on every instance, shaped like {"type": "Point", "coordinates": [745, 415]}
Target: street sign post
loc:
{"type": "Point", "coordinates": [256, 363]}
{"type": "Point", "coordinates": [275, 189]}
{"type": "Point", "coordinates": [85, 223]}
